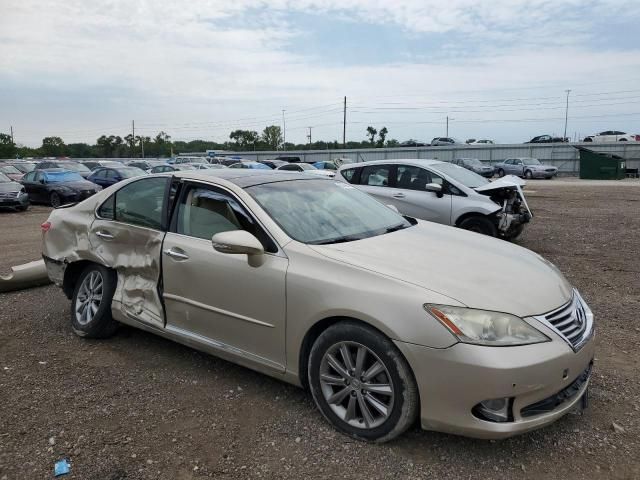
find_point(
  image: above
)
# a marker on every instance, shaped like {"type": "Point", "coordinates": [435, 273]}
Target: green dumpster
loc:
{"type": "Point", "coordinates": [601, 166]}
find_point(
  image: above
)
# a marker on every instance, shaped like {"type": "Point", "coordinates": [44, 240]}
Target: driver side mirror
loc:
{"type": "Point", "coordinates": [434, 187]}
{"type": "Point", "coordinates": [237, 242]}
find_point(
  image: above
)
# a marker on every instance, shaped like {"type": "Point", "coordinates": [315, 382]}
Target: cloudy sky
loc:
{"type": "Point", "coordinates": [201, 68]}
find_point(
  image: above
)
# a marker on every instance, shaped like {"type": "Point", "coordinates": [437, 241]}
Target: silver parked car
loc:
{"type": "Point", "coordinates": [384, 320]}
{"type": "Point", "coordinates": [476, 166]}
{"type": "Point", "coordinates": [444, 193]}
{"type": "Point", "coordinates": [525, 167]}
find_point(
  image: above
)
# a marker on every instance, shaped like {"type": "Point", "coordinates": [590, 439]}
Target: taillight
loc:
{"type": "Point", "coordinates": [46, 226]}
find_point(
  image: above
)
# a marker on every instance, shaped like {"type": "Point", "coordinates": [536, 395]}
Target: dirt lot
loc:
{"type": "Point", "coordinates": [139, 407]}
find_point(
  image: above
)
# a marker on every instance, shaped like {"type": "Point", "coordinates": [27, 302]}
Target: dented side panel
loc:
{"type": "Point", "coordinates": [134, 252]}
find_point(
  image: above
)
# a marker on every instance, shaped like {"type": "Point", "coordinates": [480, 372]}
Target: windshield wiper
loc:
{"type": "Point", "coordinates": [346, 238]}
{"type": "Point", "coordinates": [395, 228]}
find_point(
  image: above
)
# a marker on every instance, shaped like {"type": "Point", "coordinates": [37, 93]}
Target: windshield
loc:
{"type": "Point", "coordinates": [131, 172]}
{"type": "Point", "coordinates": [322, 212]}
{"type": "Point", "coordinates": [25, 167]}
{"type": "Point", "coordinates": [4, 178]}
{"type": "Point", "coordinates": [10, 169]}
{"type": "Point", "coordinates": [465, 177]}
{"type": "Point", "coordinates": [57, 177]}
{"type": "Point", "coordinates": [531, 161]}
{"type": "Point", "coordinates": [75, 167]}
{"type": "Point", "coordinates": [306, 166]}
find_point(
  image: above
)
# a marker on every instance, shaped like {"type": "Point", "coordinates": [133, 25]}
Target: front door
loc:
{"type": "Point", "coordinates": [410, 197]}
{"type": "Point", "coordinates": [232, 302]}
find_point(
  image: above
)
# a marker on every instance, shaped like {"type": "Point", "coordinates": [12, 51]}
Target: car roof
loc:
{"type": "Point", "coordinates": [244, 177]}
{"type": "Point", "coordinates": [409, 161]}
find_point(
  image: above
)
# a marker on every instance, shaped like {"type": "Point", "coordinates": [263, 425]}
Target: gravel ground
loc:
{"type": "Point", "coordinates": [140, 407]}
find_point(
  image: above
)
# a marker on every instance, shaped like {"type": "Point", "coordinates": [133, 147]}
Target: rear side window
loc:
{"type": "Point", "coordinates": [376, 175]}
{"type": "Point", "coordinates": [138, 203]}
{"type": "Point", "coordinates": [349, 174]}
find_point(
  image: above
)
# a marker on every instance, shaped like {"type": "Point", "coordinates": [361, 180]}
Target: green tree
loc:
{"type": "Point", "coordinates": [131, 143]}
{"type": "Point", "coordinates": [272, 137]}
{"type": "Point", "coordinates": [244, 139]}
{"type": "Point", "coordinates": [7, 147]}
{"type": "Point", "coordinates": [371, 132]}
{"type": "Point", "coordinates": [80, 150]}
{"type": "Point", "coordinates": [393, 143]}
{"type": "Point", "coordinates": [382, 135]}
{"type": "Point", "coordinates": [52, 147]}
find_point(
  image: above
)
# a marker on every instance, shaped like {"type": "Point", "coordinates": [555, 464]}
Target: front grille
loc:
{"type": "Point", "coordinates": [8, 195]}
{"type": "Point", "coordinates": [549, 404]}
{"type": "Point", "coordinates": [572, 321]}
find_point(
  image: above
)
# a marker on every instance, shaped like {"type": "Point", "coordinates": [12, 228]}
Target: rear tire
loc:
{"type": "Point", "coordinates": [361, 383]}
{"type": "Point", "coordinates": [91, 303]}
{"type": "Point", "coordinates": [528, 175]}
{"type": "Point", "coordinates": [479, 224]}
{"type": "Point", "coordinates": [500, 172]}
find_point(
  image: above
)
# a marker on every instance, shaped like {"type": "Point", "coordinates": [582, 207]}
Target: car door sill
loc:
{"type": "Point", "coordinates": [208, 345]}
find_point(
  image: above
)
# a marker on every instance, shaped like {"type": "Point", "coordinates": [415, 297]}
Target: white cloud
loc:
{"type": "Point", "coordinates": [180, 62]}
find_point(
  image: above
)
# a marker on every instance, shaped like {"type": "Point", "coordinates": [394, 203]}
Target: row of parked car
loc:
{"type": "Point", "coordinates": [607, 136]}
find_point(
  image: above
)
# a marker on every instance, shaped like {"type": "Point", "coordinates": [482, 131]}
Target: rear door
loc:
{"type": "Point", "coordinates": [410, 197]}
{"type": "Point", "coordinates": [127, 235]}
{"type": "Point", "coordinates": [377, 180]}
{"type": "Point", "coordinates": [228, 301]}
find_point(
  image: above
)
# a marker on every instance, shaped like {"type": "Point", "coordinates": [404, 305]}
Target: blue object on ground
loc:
{"type": "Point", "coordinates": [61, 467]}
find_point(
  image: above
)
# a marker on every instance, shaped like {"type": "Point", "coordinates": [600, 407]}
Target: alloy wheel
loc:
{"type": "Point", "coordinates": [89, 297]}
{"type": "Point", "coordinates": [356, 385]}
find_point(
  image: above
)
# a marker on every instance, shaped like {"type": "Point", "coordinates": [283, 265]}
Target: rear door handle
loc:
{"type": "Point", "coordinates": [104, 234]}
{"type": "Point", "coordinates": [176, 253]}
{"type": "Point", "coordinates": [398, 195]}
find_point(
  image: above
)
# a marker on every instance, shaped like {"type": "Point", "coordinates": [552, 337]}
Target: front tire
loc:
{"type": "Point", "coordinates": [361, 383]}
{"type": "Point", "coordinates": [528, 175]}
{"type": "Point", "coordinates": [479, 224]}
{"type": "Point", "coordinates": [500, 172]}
{"type": "Point", "coordinates": [55, 200]}
{"type": "Point", "coordinates": [91, 303]}
{"type": "Point", "coordinates": [513, 232]}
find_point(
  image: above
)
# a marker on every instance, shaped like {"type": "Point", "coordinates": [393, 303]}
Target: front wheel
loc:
{"type": "Point", "coordinates": [514, 232]}
{"type": "Point", "coordinates": [528, 175]}
{"type": "Point", "coordinates": [479, 224]}
{"type": "Point", "coordinates": [500, 172]}
{"type": "Point", "coordinates": [91, 303]}
{"type": "Point", "coordinates": [361, 383]}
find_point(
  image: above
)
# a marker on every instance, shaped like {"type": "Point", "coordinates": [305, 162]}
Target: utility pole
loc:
{"type": "Point", "coordinates": [309, 137]}
{"type": "Point", "coordinates": [12, 140]}
{"type": "Point", "coordinates": [284, 132]}
{"type": "Point", "coordinates": [142, 144]}
{"type": "Point", "coordinates": [133, 138]}
{"type": "Point", "coordinates": [447, 126]}
{"type": "Point", "coordinates": [344, 124]}
{"type": "Point", "coordinates": [566, 115]}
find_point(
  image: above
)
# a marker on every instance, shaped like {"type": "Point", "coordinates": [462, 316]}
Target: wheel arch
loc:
{"type": "Point", "coordinates": [72, 273]}
{"type": "Point", "coordinates": [316, 330]}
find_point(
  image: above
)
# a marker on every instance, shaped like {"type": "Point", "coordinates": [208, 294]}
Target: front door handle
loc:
{"type": "Point", "coordinates": [177, 254]}
{"type": "Point", "coordinates": [104, 234]}
{"type": "Point", "coordinates": [398, 195]}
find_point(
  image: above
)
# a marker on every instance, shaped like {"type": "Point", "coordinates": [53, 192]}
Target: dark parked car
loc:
{"type": "Point", "coordinates": [251, 165]}
{"type": "Point", "coordinates": [273, 163]}
{"type": "Point", "coordinates": [93, 164]}
{"type": "Point", "coordinates": [289, 159]}
{"type": "Point", "coordinates": [56, 186]}
{"type": "Point", "coordinates": [145, 165]}
{"type": "Point", "coordinates": [69, 165]}
{"type": "Point", "coordinates": [476, 166]}
{"type": "Point", "coordinates": [107, 176]}
{"type": "Point", "coordinates": [547, 139]}
{"type": "Point", "coordinates": [171, 168]}
{"type": "Point", "coordinates": [12, 194]}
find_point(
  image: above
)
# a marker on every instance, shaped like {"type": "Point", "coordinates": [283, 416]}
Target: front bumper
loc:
{"type": "Point", "coordinates": [544, 174]}
{"type": "Point", "coordinates": [453, 380]}
{"type": "Point", "coordinates": [19, 201]}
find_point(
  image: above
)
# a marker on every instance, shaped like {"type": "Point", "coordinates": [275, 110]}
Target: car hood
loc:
{"type": "Point", "coordinates": [478, 271]}
{"type": "Point", "coordinates": [508, 181]}
{"type": "Point", "coordinates": [10, 187]}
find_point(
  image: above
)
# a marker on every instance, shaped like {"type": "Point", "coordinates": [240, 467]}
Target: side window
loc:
{"type": "Point", "coordinates": [29, 176]}
{"type": "Point", "coordinates": [419, 177]}
{"type": "Point", "coordinates": [509, 162]}
{"type": "Point", "coordinates": [39, 176]}
{"type": "Point", "coordinates": [348, 174]}
{"type": "Point", "coordinates": [108, 173]}
{"type": "Point", "coordinates": [375, 175]}
{"type": "Point", "coordinates": [138, 203]}
{"type": "Point", "coordinates": [205, 211]}
{"type": "Point", "coordinates": [517, 161]}
{"type": "Point", "coordinates": [290, 167]}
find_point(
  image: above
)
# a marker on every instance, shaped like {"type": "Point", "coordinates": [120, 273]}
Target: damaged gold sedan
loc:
{"type": "Point", "coordinates": [384, 318]}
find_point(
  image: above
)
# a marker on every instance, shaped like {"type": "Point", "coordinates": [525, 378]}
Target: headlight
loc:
{"type": "Point", "coordinates": [483, 327]}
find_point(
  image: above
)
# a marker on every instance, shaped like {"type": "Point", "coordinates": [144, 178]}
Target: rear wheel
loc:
{"type": "Point", "coordinates": [361, 383]}
{"type": "Point", "coordinates": [91, 303]}
{"type": "Point", "coordinates": [528, 175]}
{"type": "Point", "coordinates": [500, 172]}
{"type": "Point", "coordinates": [55, 200]}
{"type": "Point", "coordinates": [479, 224]}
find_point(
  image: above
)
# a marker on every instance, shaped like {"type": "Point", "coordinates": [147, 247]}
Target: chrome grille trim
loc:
{"type": "Point", "coordinates": [9, 194]}
{"type": "Point", "coordinates": [572, 321]}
